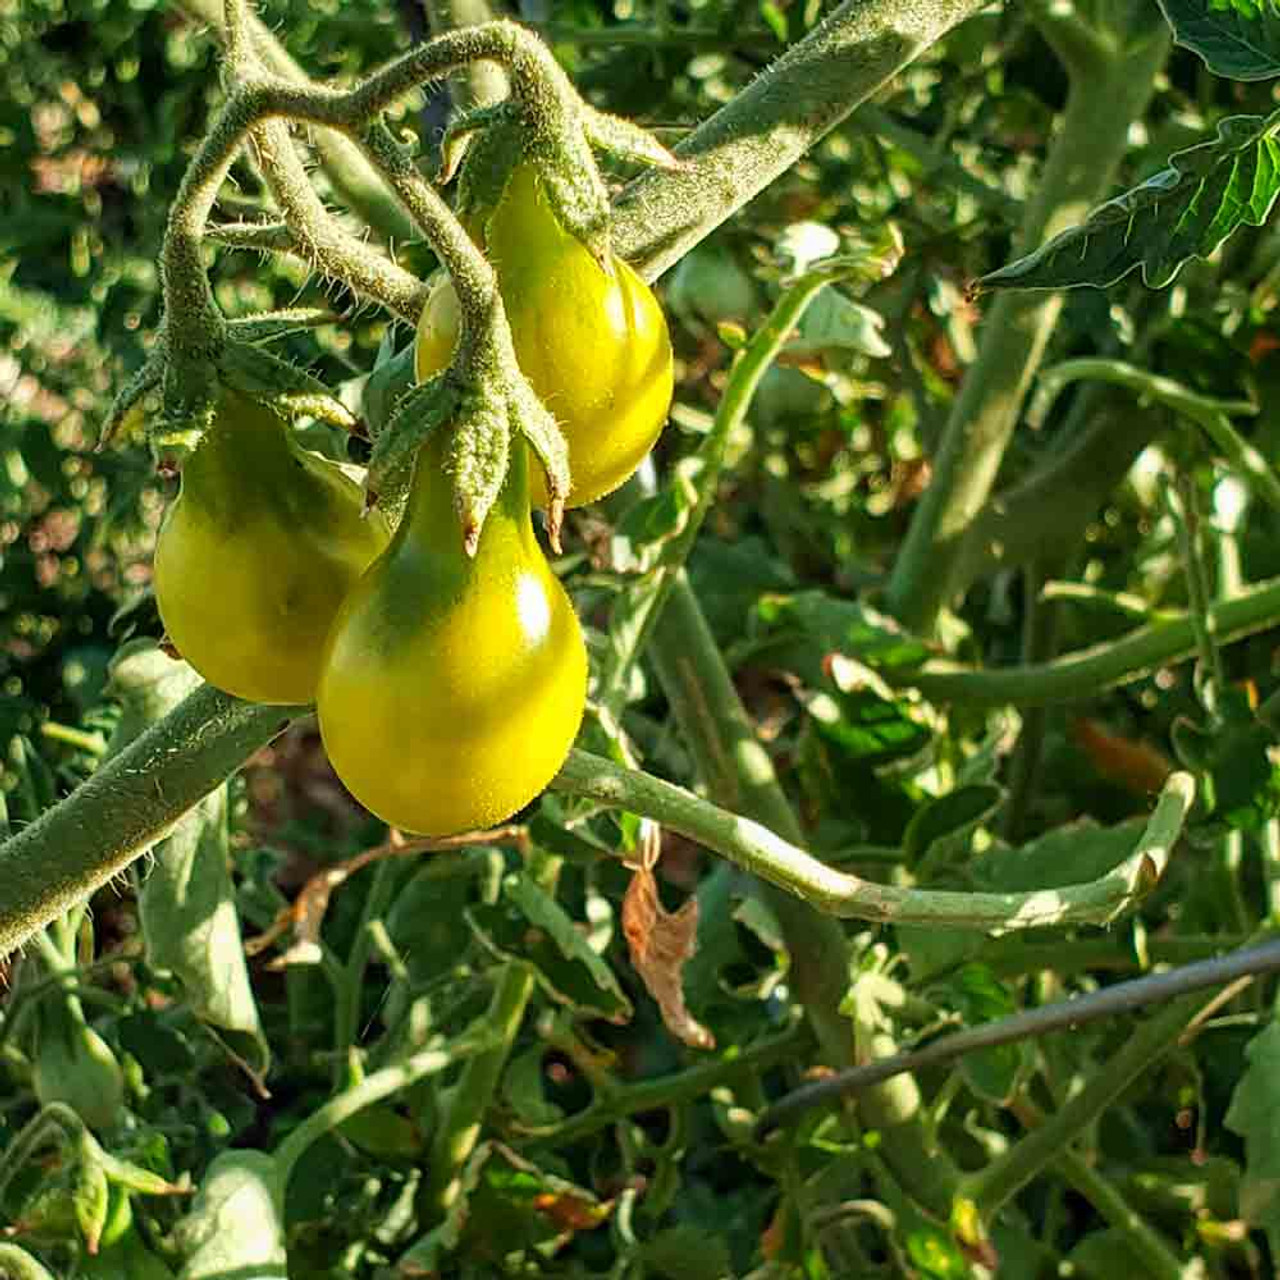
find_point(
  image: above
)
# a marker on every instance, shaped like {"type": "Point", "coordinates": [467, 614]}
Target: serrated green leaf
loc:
{"type": "Point", "coordinates": [1254, 1114]}
{"type": "Point", "coordinates": [1239, 39]}
{"type": "Point", "coordinates": [959, 811]}
{"type": "Point", "coordinates": [687, 1252]}
{"type": "Point", "coordinates": [529, 925]}
{"type": "Point", "coordinates": [1185, 211]}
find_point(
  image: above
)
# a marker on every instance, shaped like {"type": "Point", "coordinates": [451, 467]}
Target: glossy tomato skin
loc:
{"type": "Point", "coordinates": [453, 687]}
{"type": "Point", "coordinates": [593, 343]}
{"type": "Point", "coordinates": [256, 554]}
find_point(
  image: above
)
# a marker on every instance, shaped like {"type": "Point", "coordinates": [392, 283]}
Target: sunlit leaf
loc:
{"type": "Point", "coordinates": [1239, 39]}
{"type": "Point", "coordinates": [1185, 211]}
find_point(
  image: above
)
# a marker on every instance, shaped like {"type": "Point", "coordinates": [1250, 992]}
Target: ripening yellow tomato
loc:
{"type": "Point", "coordinates": [256, 554]}
{"type": "Point", "coordinates": [592, 342]}
{"type": "Point", "coordinates": [453, 686]}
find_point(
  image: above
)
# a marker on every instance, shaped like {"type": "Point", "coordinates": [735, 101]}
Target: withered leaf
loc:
{"type": "Point", "coordinates": [660, 942]}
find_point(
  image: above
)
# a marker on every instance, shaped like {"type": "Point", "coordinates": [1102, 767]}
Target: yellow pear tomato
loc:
{"type": "Point", "coordinates": [453, 686]}
{"type": "Point", "coordinates": [592, 341]}
{"type": "Point", "coordinates": [256, 554]}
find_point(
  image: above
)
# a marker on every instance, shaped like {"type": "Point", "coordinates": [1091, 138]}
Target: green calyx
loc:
{"type": "Point", "coordinates": [545, 123]}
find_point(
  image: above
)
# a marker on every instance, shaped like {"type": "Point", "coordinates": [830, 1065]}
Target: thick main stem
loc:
{"type": "Point", "coordinates": [1090, 143]}
{"type": "Point", "coordinates": [126, 806]}
{"type": "Point", "coordinates": [773, 122]}
{"type": "Point", "coordinates": [739, 774]}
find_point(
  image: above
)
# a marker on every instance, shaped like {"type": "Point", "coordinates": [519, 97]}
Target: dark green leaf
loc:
{"type": "Point", "coordinates": [975, 994]}
{"type": "Point", "coordinates": [687, 1253]}
{"type": "Point", "coordinates": [1255, 1115]}
{"type": "Point", "coordinates": [1185, 211]}
{"type": "Point", "coordinates": [1239, 39]}
{"type": "Point", "coordinates": [842, 626]}
{"type": "Point", "coordinates": [529, 925]}
{"type": "Point", "coordinates": [1071, 854]}
{"type": "Point", "coordinates": [958, 812]}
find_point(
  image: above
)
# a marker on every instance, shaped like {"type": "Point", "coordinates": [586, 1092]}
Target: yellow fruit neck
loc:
{"type": "Point", "coordinates": [431, 519]}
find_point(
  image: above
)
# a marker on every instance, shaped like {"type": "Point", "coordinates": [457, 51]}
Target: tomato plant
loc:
{"type": "Point", "coordinates": [256, 554]}
{"type": "Point", "coordinates": [452, 686]}
{"type": "Point", "coordinates": [923, 562]}
{"type": "Point", "coordinates": [592, 340]}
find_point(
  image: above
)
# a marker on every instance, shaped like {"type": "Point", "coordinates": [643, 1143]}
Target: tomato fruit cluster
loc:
{"type": "Point", "coordinates": [449, 686]}
{"type": "Point", "coordinates": [592, 341]}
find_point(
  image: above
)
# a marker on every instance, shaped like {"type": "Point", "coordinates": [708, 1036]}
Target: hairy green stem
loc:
{"type": "Point", "coordinates": [320, 241]}
{"type": "Point", "coordinates": [760, 850]}
{"type": "Point", "coordinates": [767, 127]}
{"type": "Point", "coordinates": [128, 804]}
{"type": "Point", "coordinates": [481, 83]}
{"type": "Point", "coordinates": [1085, 154]}
{"type": "Point", "coordinates": [1086, 673]}
{"type": "Point", "coordinates": [354, 179]}
{"type": "Point", "coordinates": [535, 78]}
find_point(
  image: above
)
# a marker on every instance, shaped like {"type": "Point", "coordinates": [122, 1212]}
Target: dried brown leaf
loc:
{"type": "Point", "coordinates": [660, 942]}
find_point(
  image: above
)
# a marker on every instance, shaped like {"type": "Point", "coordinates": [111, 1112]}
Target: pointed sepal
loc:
{"type": "Point", "coordinates": [422, 410]}
{"type": "Point", "coordinates": [137, 400]}
{"type": "Point", "coordinates": [477, 460]}
{"type": "Point", "coordinates": [576, 193]}
{"type": "Point", "coordinates": [534, 422]}
{"type": "Point", "coordinates": [272, 326]}
{"type": "Point", "coordinates": [288, 389]}
{"type": "Point", "coordinates": [463, 131]}
{"type": "Point", "coordinates": [624, 140]}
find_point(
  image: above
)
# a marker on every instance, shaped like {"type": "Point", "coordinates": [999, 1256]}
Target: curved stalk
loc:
{"type": "Point", "coordinates": [758, 849]}
{"type": "Point", "coordinates": [1089, 672]}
